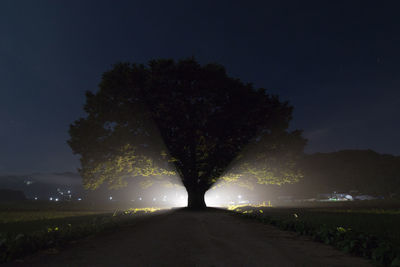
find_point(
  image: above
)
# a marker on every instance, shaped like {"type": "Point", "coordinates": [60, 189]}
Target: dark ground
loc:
{"type": "Point", "coordinates": [187, 238]}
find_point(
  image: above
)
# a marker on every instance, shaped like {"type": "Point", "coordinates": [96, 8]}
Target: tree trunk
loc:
{"type": "Point", "coordinates": [196, 198]}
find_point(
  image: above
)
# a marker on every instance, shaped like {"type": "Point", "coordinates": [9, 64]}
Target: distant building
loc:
{"type": "Point", "coordinates": [364, 197]}
{"type": "Point", "coordinates": [335, 197]}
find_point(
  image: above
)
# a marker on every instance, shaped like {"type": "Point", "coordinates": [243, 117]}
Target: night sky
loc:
{"type": "Point", "coordinates": [336, 62]}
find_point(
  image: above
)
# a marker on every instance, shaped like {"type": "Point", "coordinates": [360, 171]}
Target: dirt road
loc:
{"type": "Point", "coordinates": [184, 238]}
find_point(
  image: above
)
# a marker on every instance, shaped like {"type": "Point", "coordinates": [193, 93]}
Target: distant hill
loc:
{"type": "Point", "coordinates": [11, 195]}
{"type": "Point", "coordinates": [45, 185]}
{"type": "Point", "coordinates": [42, 185]}
{"type": "Point", "coordinates": [365, 171]}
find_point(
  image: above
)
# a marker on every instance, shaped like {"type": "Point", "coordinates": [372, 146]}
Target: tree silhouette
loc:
{"type": "Point", "coordinates": [183, 118]}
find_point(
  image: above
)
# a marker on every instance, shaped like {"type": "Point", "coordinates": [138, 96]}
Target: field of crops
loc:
{"type": "Point", "coordinates": [378, 222]}
{"type": "Point", "coordinates": [29, 226]}
{"type": "Point", "coordinates": [18, 216]}
{"type": "Point", "coordinates": [370, 231]}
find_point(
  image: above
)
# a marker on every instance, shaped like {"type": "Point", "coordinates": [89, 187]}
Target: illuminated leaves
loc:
{"type": "Point", "coordinates": [127, 163]}
{"type": "Point", "coordinates": [183, 118]}
{"type": "Point", "coordinates": [140, 210]}
{"type": "Point", "coordinates": [146, 184]}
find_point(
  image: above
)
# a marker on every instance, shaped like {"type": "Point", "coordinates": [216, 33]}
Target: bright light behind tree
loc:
{"type": "Point", "coordinates": [224, 194]}
{"type": "Point", "coordinates": [185, 119]}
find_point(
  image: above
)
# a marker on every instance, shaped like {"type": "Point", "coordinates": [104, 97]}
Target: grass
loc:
{"type": "Point", "coordinates": [30, 216]}
{"type": "Point", "coordinates": [384, 224]}
{"type": "Point", "coordinates": [24, 223]}
{"type": "Point", "coordinates": [31, 226]}
{"type": "Point", "coordinates": [25, 216]}
{"type": "Point", "coordinates": [371, 231]}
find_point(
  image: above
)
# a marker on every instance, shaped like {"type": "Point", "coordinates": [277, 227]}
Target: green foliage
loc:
{"type": "Point", "coordinates": [56, 233]}
{"type": "Point", "coordinates": [33, 215]}
{"type": "Point", "coordinates": [358, 240]}
{"type": "Point", "coordinates": [186, 119]}
{"type": "Point", "coordinates": [193, 116]}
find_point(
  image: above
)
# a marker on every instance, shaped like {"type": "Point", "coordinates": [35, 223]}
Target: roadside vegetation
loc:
{"type": "Point", "coordinates": [40, 226]}
{"type": "Point", "coordinates": [373, 232]}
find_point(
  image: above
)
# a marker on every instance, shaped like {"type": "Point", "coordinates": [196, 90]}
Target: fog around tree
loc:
{"type": "Point", "coordinates": [181, 118]}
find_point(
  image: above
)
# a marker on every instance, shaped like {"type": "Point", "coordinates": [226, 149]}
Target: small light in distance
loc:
{"type": "Point", "coordinates": [110, 198]}
{"type": "Point", "coordinates": [79, 199]}
{"type": "Point", "coordinates": [36, 198]}
{"type": "Point", "coordinates": [56, 199]}
{"type": "Point", "coordinates": [51, 199]}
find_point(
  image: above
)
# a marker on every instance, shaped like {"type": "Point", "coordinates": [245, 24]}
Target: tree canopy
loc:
{"type": "Point", "coordinates": [187, 119]}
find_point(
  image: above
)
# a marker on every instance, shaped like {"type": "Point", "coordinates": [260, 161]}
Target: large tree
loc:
{"type": "Point", "coordinates": [183, 118]}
